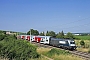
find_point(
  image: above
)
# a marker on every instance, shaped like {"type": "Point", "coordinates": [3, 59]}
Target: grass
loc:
{"type": "Point", "coordinates": [40, 58]}
{"type": "Point", "coordinates": [87, 45]}
{"type": "Point", "coordinates": [83, 49]}
{"type": "Point", "coordinates": [45, 51]}
{"type": "Point", "coordinates": [42, 50]}
{"type": "Point", "coordinates": [83, 37]}
{"type": "Point", "coordinates": [87, 42]}
{"type": "Point", "coordinates": [89, 50]}
{"type": "Point", "coordinates": [65, 57]}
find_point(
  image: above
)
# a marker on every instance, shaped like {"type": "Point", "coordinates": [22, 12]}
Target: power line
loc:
{"type": "Point", "coordinates": [70, 22]}
{"type": "Point", "coordinates": [76, 26]}
{"type": "Point", "coordinates": [62, 28]}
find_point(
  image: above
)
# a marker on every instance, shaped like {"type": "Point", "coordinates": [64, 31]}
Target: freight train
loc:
{"type": "Point", "coordinates": [62, 43]}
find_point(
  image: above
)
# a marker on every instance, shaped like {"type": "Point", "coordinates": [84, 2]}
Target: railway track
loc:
{"type": "Point", "coordinates": [84, 55]}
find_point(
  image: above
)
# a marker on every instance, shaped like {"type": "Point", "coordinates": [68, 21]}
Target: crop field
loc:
{"type": "Point", "coordinates": [83, 37]}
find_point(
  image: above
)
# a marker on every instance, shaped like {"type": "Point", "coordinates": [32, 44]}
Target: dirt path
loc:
{"type": "Point", "coordinates": [47, 57]}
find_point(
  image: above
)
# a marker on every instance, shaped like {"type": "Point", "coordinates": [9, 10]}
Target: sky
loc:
{"type": "Point", "coordinates": [42, 15]}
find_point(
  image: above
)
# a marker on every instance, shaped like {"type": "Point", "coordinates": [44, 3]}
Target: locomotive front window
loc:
{"type": "Point", "coordinates": [46, 40]}
{"type": "Point", "coordinates": [72, 42]}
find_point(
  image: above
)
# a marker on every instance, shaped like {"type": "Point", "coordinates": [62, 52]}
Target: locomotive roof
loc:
{"type": "Point", "coordinates": [61, 39]}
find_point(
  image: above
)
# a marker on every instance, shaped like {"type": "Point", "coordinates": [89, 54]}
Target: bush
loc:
{"type": "Point", "coordinates": [17, 49]}
{"type": "Point", "coordinates": [57, 51]}
{"type": "Point", "coordinates": [2, 36]}
{"type": "Point", "coordinates": [82, 43]}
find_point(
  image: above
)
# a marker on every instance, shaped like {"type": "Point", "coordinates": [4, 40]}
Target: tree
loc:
{"type": "Point", "coordinates": [33, 32]}
{"type": "Point", "coordinates": [50, 33]}
{"type": "Point", "coordinates": [62, 34]}
{"type": "Point", "coordinates": [58, 35]}
{"type": "Point", "coordinates": [42, 34]}
{"type": "Point", "coordinates": [69, 35]}
{"type": "Point", "coordinates": [47, 32]}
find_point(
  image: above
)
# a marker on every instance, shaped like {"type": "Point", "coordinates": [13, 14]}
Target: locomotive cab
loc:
{"type": "Point", "coordinates": [72, 45]}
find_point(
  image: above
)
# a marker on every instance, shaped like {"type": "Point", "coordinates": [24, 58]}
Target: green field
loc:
{"type": "Point", "coordinates": [83, 37]}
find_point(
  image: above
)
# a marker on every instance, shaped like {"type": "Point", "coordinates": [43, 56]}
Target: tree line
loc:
{"type": "Point", "coordinates": [69, 35]}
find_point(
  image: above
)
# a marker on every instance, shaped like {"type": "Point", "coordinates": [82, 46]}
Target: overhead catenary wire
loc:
{"type": "Point", "coordinates": [68, 23]}
{"type": "Point", "coordinates": [77, 26]}
{"type": "Point", "coordinates": [62, 28]}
